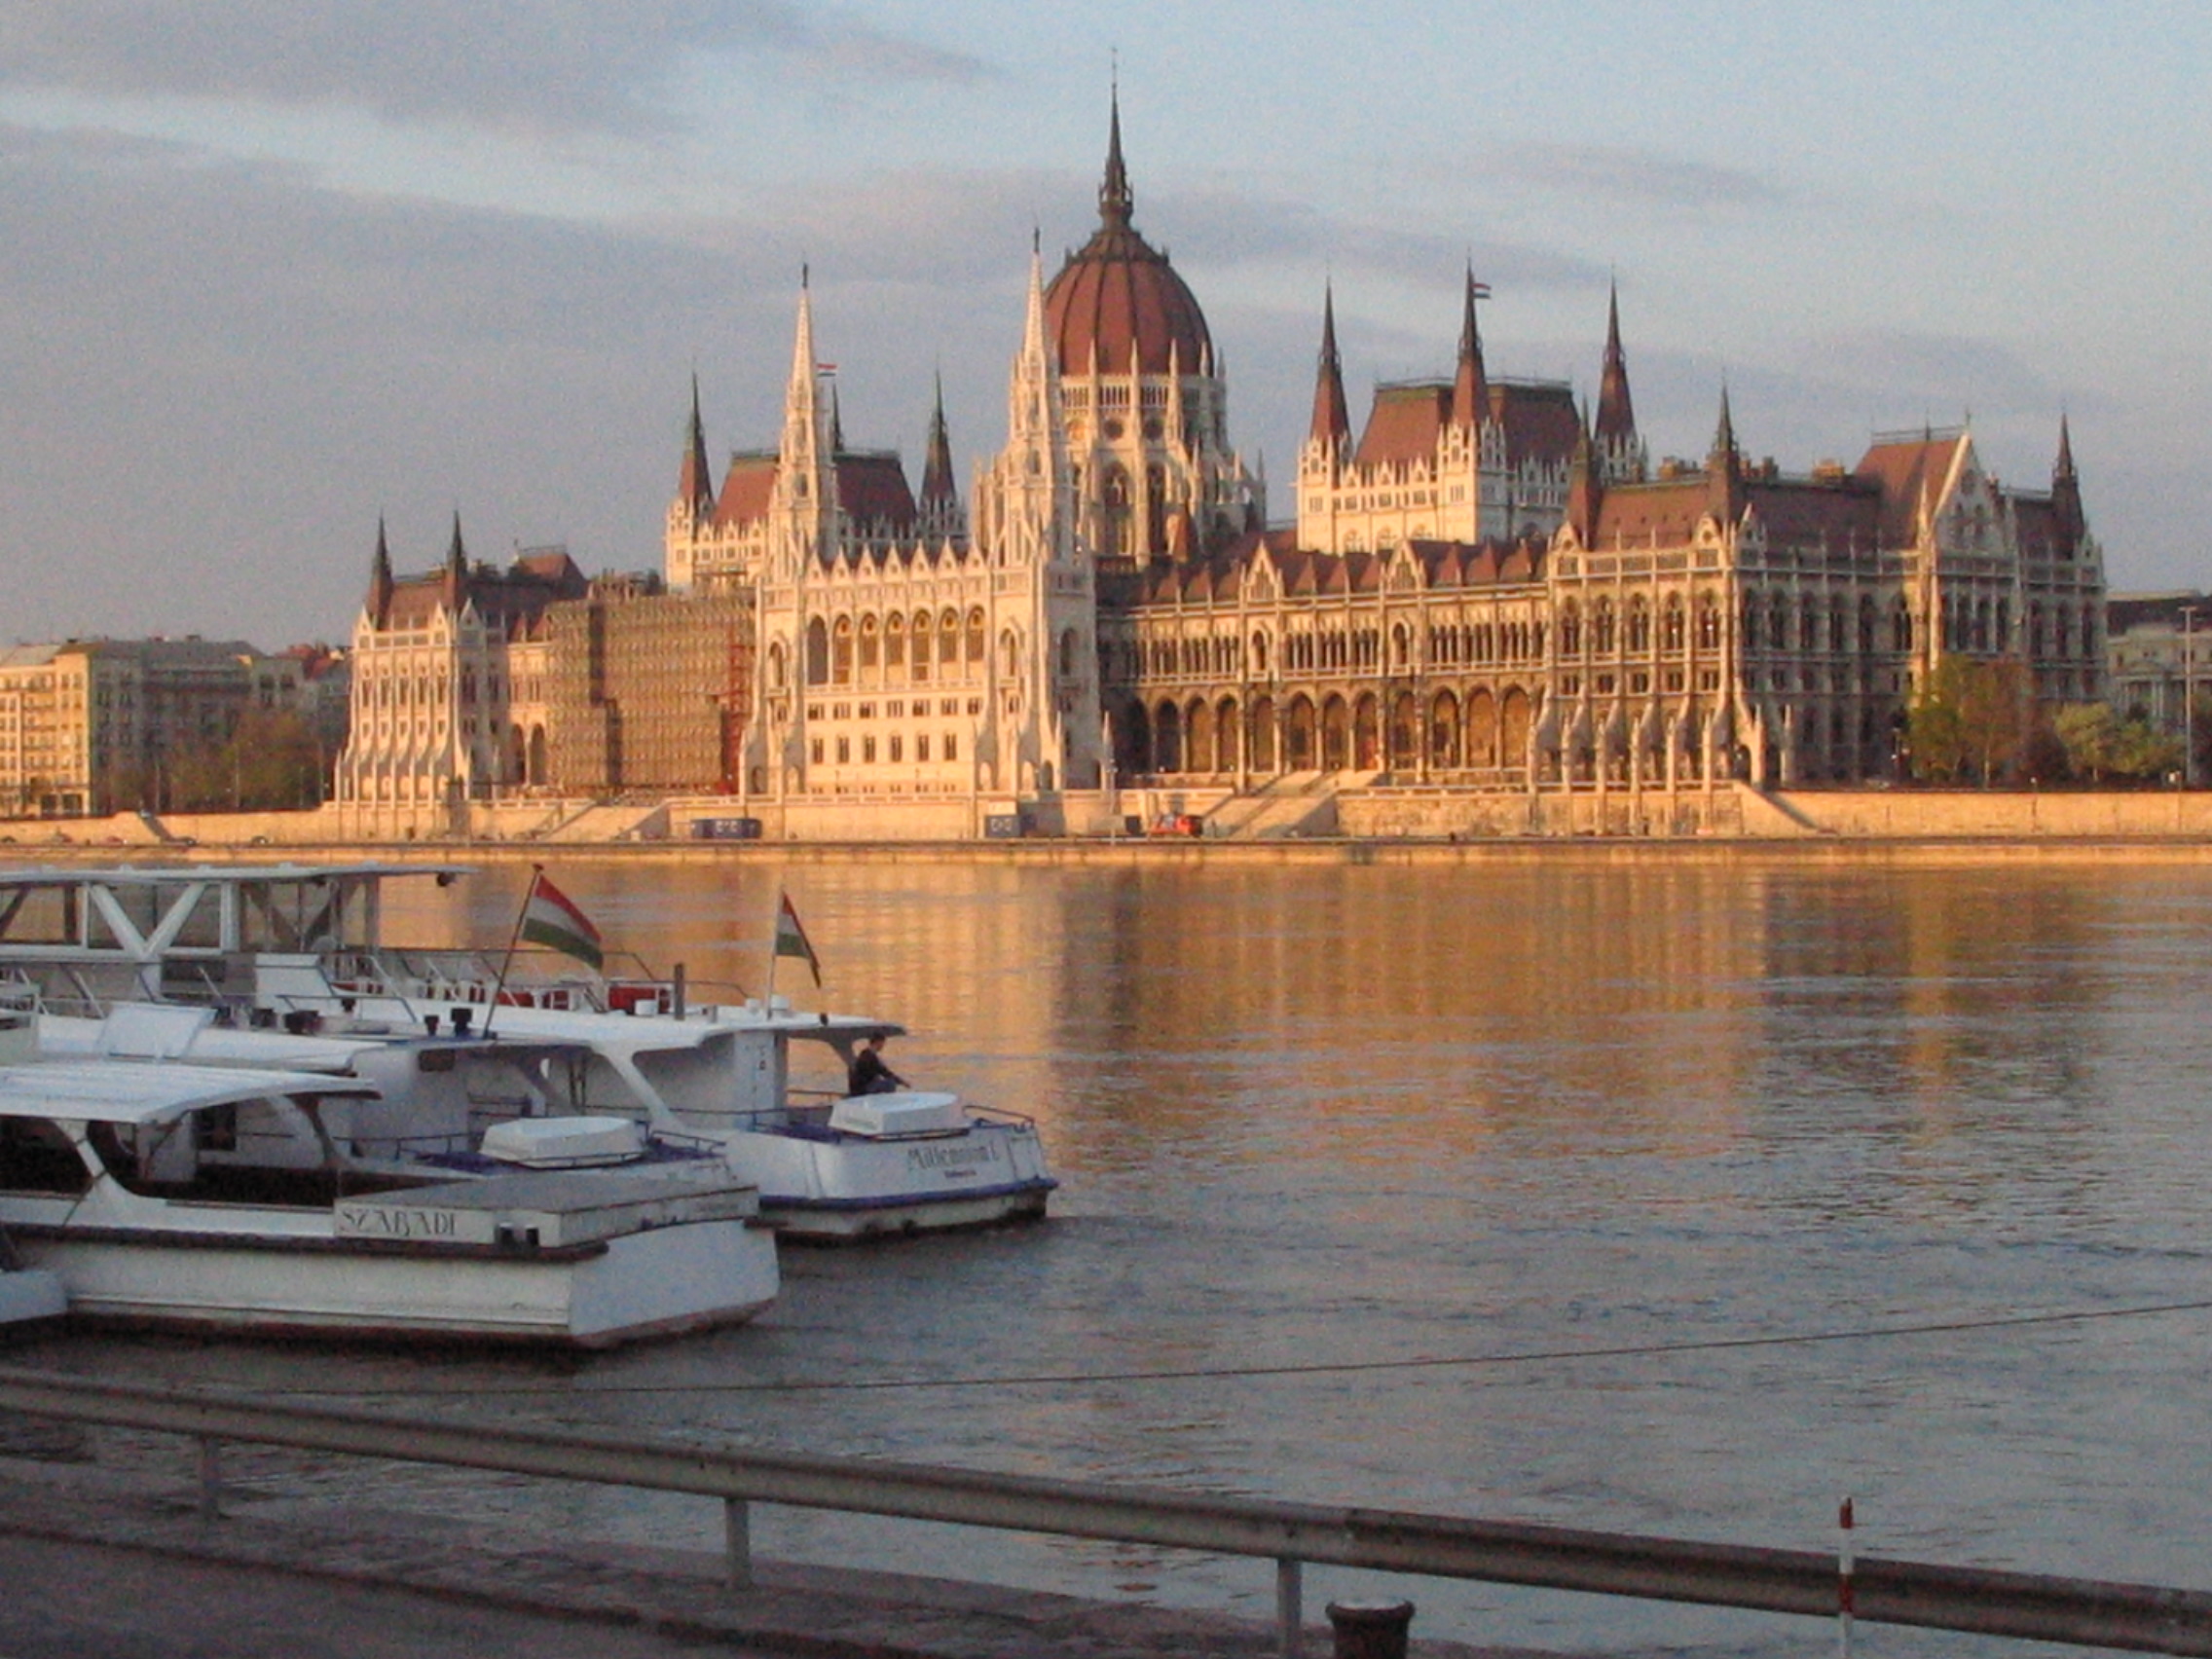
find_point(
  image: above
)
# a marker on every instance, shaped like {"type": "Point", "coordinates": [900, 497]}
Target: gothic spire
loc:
{"type": "Point", "coordinates": [836, 422]}
{"type": "Point", "coordinates": [1585, 483]}
{"type": "Point", "coordinates": [1116, 203]}
{"type": "Point", "coordinates": [695, 482]}
{"type": "Point", "coordinates": [1470, 387]}
{"type": "Point", "coordinates": [380, 578]}
{"type": "Point", "coordinates": [2066, 492]}
{"type": "Point", "coordinates": [1616, 413]}
{"type": "Point", "coordinates": [1332, 419]}
{"type": "Point", "coordinates": [456, 574]}
{"type": "Point", "coordinates": [1724, 469]}
{"type": "Point", "coordinates": [936, 465]}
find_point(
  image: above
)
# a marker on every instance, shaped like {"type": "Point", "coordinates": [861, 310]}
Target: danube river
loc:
{"type": "Point", "coordinates": [1680, 1193]}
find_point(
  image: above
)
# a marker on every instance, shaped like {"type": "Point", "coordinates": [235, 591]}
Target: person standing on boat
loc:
{"type": "Point", "coordinates": [869, 1075]}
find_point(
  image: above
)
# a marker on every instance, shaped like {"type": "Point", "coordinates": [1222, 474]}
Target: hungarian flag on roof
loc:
{"type": "Point", "coordinates": [791, 939]}
{"type": "Point", "coordinates": [550, 917]}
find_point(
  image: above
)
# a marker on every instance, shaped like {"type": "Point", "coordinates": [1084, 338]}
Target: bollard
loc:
{"type": "Point", "coordinates": [1371, 1630]}
{"type": "Point", "coordinates": [737, 1542]}
{"type": "Point", "coordinates": [211, 1478]}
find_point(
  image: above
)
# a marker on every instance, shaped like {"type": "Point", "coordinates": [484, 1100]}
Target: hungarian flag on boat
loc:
{"type": "Point", "coordinates": [791, 939]}
{"type": "Point", "coordinates": [550, 917]}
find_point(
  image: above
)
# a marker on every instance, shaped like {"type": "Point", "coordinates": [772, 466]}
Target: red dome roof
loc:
{"type": "Point", "coordinates": [1117, 293]}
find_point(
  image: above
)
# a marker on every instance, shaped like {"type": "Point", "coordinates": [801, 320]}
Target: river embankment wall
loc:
{"type": "Point", "coordinates": [1361, 824]}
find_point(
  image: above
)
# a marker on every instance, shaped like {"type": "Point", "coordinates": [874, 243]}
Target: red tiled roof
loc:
{"type": "Point", "coordinates": [1117, 294]}
{"type": "Point", "coordinates": [1540, 420]}
{"type": "Point", "coordinates": [1405, 422]}
{"type": "Point", "coordinates": [746, 487]}
{"type": "Point", "coordinates": [872, 489]}
{"type": "Point", "coordinates": [1663, 513]}
{"type": "Point", "coordinates": [1909, 473]}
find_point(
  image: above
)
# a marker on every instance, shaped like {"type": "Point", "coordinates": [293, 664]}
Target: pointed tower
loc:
{"type": "Point", "coordinates": [1331, 429]}
{"type": "Point", "coordinates": [1145, 401]}
{"type": "Point", "coordinates": [695, 478]}
{"type": "Point", "coordinates": [803, 502]}
{"type": "Point", "coordinates": [1619, 450]}
{"type": "Point", "coordinates": [1470, 386]}
{"type": "Point", "coordinates": [454, 576]}
{"type": "Point", "coordinates": [379, 605]}
{"type": "Point", "coordinates": [1585, 486]}
{"type": "Point", "coordinates": [2066, 495]}
{"type": "Point", "coordinates": [1724, 470]}
{"type": "Point", "coordinates": [941, 517]}
{"type": "Point", "coordinates": [1117, 204]}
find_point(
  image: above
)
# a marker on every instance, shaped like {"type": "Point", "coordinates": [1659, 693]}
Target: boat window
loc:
{"type": "Point", "coordinates": [37, 1156]}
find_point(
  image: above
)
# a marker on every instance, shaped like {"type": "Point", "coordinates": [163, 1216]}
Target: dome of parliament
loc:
{"type": "Point", "coordinates": [1118, 295]}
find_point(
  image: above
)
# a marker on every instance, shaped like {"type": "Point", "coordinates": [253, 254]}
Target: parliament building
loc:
{"type": "Point", "coordinates": [1484, 589]}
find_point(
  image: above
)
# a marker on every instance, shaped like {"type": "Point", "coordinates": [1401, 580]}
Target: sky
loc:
{"type": "Point", "coordinates": [273, 271]}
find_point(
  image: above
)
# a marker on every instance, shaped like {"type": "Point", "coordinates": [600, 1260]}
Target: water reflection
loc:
{"type": "Point", "coordinates": [1315, 1119]}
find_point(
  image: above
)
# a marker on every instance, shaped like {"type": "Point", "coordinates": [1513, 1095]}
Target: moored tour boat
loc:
{"type": "Point", "coordinates": [298, 947]}
{"type": "Point", "coordinates": [213, 1199]}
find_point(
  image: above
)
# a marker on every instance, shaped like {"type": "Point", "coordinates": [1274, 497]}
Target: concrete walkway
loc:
{"type": "Point", "coordinates": [122, 1568]}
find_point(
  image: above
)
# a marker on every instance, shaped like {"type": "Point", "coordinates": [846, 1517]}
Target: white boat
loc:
{"type": "Point", "coordinates": [207, 1198]}
{"type": "Point", "coordinates": [298, 947]}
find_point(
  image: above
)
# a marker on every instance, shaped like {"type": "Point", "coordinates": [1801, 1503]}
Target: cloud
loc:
{"type": "Point", "coordinates": [1621, 174]}
{"type": "Point", "coordinates": [548, 65]}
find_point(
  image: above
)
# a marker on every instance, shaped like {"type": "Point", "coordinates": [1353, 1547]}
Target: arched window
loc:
{"type": "Point", "coordinates": [1067, 653]}
{"type": "Point", "coordinates": [841, 653]}
{"type": "Point", "coordinates": [818, 652]}
{"type": "Point", "coordinates": [1639, 625]}
{"type": "Point", "coordinates": [1259, 651]}
{"type": "Point", "coordinates": [1671, 625]}
{"type": "Point", "coordinates": [1571, 630]}
{"type": "Point", "coordinates": [921, 644]}
{"type": "Point", "coordinates": [948, 637]}
{"type": "Point", "coordinates": [776, 666]}
{"type": "Point", "coordinates": [895, 641]}
{"type": "Point", "coordinates": [870, 642]}
{"type": "Point", "coordinates": [1601, 627]}
{"type": "Point", "coordinates": [975, 630]}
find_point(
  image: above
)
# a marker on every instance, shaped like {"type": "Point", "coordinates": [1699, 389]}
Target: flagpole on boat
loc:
{"type": "Point", "coordinates": [775, 939]}
{"type": "Point", "coordinates": [513, 939]}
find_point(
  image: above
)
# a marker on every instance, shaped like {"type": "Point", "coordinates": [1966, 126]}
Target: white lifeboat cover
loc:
{"type": "Point", "coordinates": [565, 1143]}
{"type": "Point", "coordinates": [909, 1112]}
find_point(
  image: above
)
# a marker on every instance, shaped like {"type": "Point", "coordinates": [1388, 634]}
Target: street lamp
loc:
{"type": "Point", "coordinates": [2189, 696]}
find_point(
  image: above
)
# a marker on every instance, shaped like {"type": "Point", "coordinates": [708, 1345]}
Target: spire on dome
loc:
{"type": "Point", "coordinates": [695, 481]}
{"type": "Point", "coordinates": [1116, 203]}
{"type": "Point", "coordinates": [1332, 418]}
{"type": "Point", "coordinates": [381, 583]}
{"type": "Point", "coordinates": [1616, 413]}
{"type": "Point", "coordinates": [1470, 387]}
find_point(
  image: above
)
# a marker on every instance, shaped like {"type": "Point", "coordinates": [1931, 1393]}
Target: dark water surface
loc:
{"type": "Point", "coordinates": [1569, 1125]}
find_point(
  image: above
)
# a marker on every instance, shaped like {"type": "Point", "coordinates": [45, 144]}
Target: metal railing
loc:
{"type": "Point", "coordinates": [2144, 1618]}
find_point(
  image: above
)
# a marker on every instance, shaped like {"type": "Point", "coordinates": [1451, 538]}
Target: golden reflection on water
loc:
{"type": "Point", "coordinates": [1374, 1015]}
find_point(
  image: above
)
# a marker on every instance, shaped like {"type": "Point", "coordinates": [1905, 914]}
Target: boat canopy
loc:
{"type": "Point", "coordinates": [131, 1091]}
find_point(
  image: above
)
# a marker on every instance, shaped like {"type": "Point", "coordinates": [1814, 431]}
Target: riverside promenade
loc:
{"type": "Point", "coordinates": [98, 1563]}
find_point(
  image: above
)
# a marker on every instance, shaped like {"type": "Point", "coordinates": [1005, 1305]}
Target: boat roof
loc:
{"type": "Point", "coordinates": [655, 1032]}
{"type": "Point", "coordinates": [170, 875]}
{"type": "Point", "coordinates": [141, 1091]}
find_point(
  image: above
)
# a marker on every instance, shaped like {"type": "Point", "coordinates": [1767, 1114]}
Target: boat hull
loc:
{"type": "Point", "coordinates": [821, 1184]}
{"type": "Point", "coordinates": [659, 1282]}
